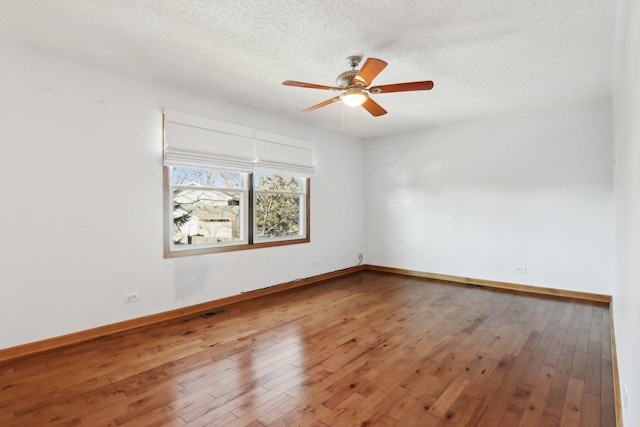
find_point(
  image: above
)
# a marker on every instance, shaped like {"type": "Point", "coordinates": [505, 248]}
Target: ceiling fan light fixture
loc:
{"type": "Point", "coordinates": [354, 97]}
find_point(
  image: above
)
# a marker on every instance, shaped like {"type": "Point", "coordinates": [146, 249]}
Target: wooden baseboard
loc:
{"type": "Point", "coordinates": [114, 328]}
{"type": "Point", "coordinates": [495, 284]}
{"type": "Point", "coordinates": [617, 399]}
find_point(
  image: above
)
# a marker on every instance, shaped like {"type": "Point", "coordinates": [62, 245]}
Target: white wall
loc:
{"type": "Point", "coordinates": [479, 199]}
{"type": "Point", "coordinates": [81, 194]}
{"type": "Point", "coordinates": [626, 292]}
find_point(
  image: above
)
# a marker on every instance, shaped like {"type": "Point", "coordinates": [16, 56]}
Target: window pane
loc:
{"type": "Point", "coordinates": [270, 182]}
{"type": "Point", "coordinates": [277, 215]}
{"type": "Point", "coordinates": [205, 216]}
{"type": "Point", "coordinates": [206, 177]}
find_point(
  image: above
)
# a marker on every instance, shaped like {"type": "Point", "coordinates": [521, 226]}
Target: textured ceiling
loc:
{"type": "Point", "coordinates": [485, 57]}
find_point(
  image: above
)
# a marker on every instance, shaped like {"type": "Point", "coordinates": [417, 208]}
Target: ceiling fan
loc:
{"type": "Point", "coordinates": [355, 84]}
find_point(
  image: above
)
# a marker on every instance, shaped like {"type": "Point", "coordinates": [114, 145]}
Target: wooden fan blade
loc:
{"type": "Point", "coordinates": [308, 85]}
{"type": "Point", "coordinates": [322, 104]}
{"type": "Point", "coordinates": [371, 68]}
{"type": "Point", "coordinates": [373, 107]}
{"type": "Point", "coordinates": [402, 87]}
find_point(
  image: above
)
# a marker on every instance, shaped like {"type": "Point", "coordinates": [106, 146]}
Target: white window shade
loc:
{"type": "Point", "coordinates": [277, 153]}
{"type": "Point", "coordinates": [201, 142]}
{"type": "Point", "coordinates": [191, 146]}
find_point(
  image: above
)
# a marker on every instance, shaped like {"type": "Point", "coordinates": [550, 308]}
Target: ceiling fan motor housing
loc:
{"type": "Point", "coordinates": [345, 79]}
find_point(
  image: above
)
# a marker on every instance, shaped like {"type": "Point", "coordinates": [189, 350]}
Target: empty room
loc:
{"type": "Point", "coordinates": [252, 213]}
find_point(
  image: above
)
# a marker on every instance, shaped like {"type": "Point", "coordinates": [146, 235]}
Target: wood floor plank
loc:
{"type": "Point", "coordinates": [593, 375]}
{"type": "Point", "coordinates": [590, 411]}
{"type": "Point", "coordinates": [572, 408]}
{"type": "Point", "coordinates": [485, 398]}
{"type": "Point", "coordinates": [558, 391]}
{"type": "Point", "coordinates": [366, 349]}
{"type": "Point", "coordinates": [441, 406]}
{"type": "Point", "coordinates": [535, 406]}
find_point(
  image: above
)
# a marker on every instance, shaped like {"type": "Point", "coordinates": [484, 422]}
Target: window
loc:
{"type": "Point", "coordinates": [279, 207]}
{"type": "Point", "coordinates": [212, 211]}
{"type": "Point", "coordinates": [228, 187]}
{"type": "Point", "coordinates": [207, 207]}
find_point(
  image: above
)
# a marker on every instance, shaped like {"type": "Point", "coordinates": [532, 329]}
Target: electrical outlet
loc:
{"type": "Point", "coordinates": [625, 398]}
{"type": "Point", "coordinates": [360, 256]}
{"type": "Point", "coordinates": [133, 297]}
{"type": "Point", "coordinates": [314, 264]}
{"type": "Point", "coordinates": [521, 269]}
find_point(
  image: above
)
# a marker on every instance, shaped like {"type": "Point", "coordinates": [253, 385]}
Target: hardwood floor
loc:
{"type": "Point", "coordinates": [362, 350]}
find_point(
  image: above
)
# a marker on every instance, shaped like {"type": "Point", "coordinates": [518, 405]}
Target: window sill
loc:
{"type": "Point", "coordinates": [231, 248]}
